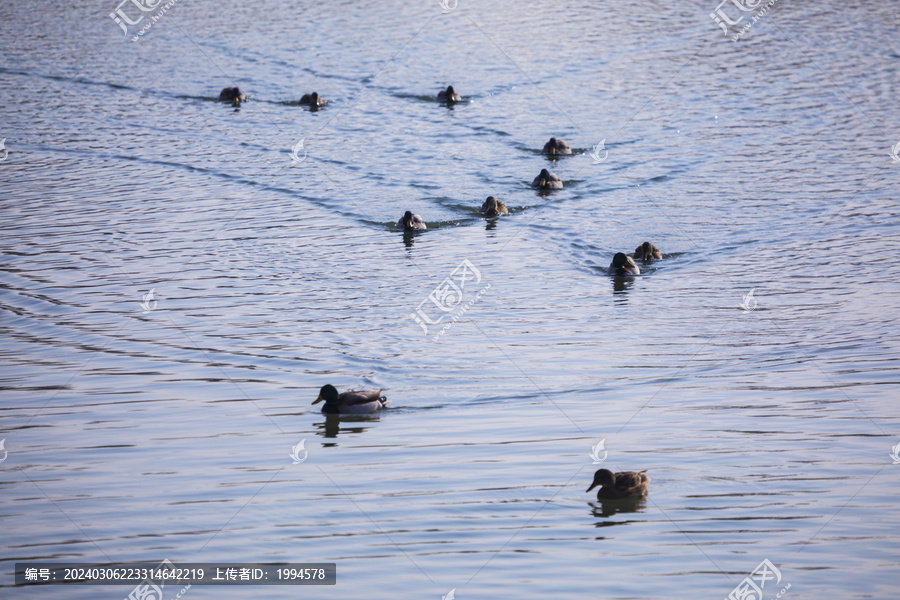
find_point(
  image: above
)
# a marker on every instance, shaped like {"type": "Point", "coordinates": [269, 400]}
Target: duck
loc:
{"type": "Point", "coordinates": [351, 403]}
{"type": "Point", "coordinates": [546, 180]}
{"type": "Point", "coordinates": [647, 251]}
{"type": "Point", "coordinates": [233, 95]}
{"type": "Point", "coordinates": [312, 100]}
{"type": "Point", "coordinates": [493, 207]}
{"type": "Point", "coordinates": [627, 484]}
{"type": "Point", "coordinates": [449, 95]}
{"type": "Point", "coordinates": [555, 146]}
{"type": "Point", "coordinates": [411, 222]}
{"type": "Point", "coordinates": [622, 265]}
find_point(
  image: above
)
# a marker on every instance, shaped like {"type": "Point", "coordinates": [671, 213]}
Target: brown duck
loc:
{"type": "Point", "coordinates": [493, 207]}
{"type": "Point", "coordinates": [627, 484]}
{"type": "Point", "coordinates": [647, 251]}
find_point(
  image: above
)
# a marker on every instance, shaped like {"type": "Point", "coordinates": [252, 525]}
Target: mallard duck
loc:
{"type": "Point", "coordinates": [410, 222]}
{"type": "Point", "coordinates": [312, 100]}
{"type": "Point", "coordinates": [449, 95]}
{"type": "Point", "coordinates": [555, 146]}
{"type": "Point", "coordinates": [647, 251]}
{"type": "Point", "coordinates": [546, 180]}
{"type": "Point", "coordinates": [493, 207]}
{"type": "Point", "coordinates": [627, 484]}
{"type": "Point", "coordinates": [351, 403]}
{"type": "Point", "coordinates": [233, 95]}
{"type": "Point", "coordinates": [622, 265]}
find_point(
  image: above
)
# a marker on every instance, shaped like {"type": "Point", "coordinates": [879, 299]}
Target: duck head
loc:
{"type": "Point", "coordinates": [314, 99]}
{"type": "Point", "coordinates": [544, 178]}
{"type": "Point", "coordinates": [490, 207]}
{"type": "Point", "coordinates": [646, 251]}
{"type": "Point", "coordinates": [328, 393]}
{"type": "Point", "coordinates": [619, 260]}
{"type": "Point", "coordinates": [233, 95]}
{"type": "Point", "coordinates": [603, 478]}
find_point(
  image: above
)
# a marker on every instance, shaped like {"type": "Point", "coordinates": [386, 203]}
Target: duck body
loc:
{"type": "Point", "coordinates": [647, 251]}
{"type": "Point", "coordinates": [449, 95]}
{"type": "Point", "coordinates": [350, 403]}
{"type": "Point", "coordinates": [493, 207]}
{"type": "Point", "coordinates": [411, 222]}
{"type": "Point", "coordinates": [312, 100]}
{"type": "Point", "coordinates": [555, 147]}
{"type": "Point", "coordinates": [626, 484]}
{"type": "Point", "coordinates": [622, 265]}
{"type": "Point", "coordinates": [233, 95]}
{"type": "Point", "coordinates": [546, 181]}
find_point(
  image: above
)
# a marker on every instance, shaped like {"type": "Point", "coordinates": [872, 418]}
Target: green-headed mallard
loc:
{"type": "Point", "coordinates": [411, 222]}
{"type": "Point", "coordinates": [647, 251]}
{"type": "Point", "coordinates": [351, 403]}
{"type": "Point", "coordinates": [555, 146]}
{"type": "Point", "coordinates": [622, 265]}
{"type": "Point", "coordinates": [312, 100]}
{"type": "Point", "coordinates": [449, 95]}
{"type": "Point", "coordinates": [546, 180]}
{"type": "Point", "coordinates": [627, 484]}
{"type": "Point", "coordinates": [233, 95]}
{"type": "Point", "coordinates": [493, 207]}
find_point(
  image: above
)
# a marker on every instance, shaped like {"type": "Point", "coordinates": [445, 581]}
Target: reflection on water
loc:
{"type": "Point", "coordinates": [335, 425]}
{"type": "Point", "coordinates": [409, 237]}
{"type": "Point", "coordinates": [607, 508]}
{"type": "Point", "coordinates": [621, 285]}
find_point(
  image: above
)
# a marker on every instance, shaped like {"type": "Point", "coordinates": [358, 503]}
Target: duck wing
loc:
{"type": "Point", "coordinates": [353, 398]}
{"type": "Point", "coordinates": [630, 479]}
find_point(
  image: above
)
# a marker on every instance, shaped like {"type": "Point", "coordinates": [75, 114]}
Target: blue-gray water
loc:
{"type": "Point", "coordinates": [762, 165]}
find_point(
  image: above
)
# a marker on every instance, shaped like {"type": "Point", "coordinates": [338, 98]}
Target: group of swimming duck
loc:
{"type": "Point", "coordinates": [235, 96]}
{"type": "Point", "coordinates": [626, 484]}
{"type": "Point", "coordinates": [613, 486]}
{"type": "Point", "coordinates": [622, 265]}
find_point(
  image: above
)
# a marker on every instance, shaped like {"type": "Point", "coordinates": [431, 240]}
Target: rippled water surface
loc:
{"type": "Point", "coordinates": [140, 433]}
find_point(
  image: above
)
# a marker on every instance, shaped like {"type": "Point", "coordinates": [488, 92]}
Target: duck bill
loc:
{"type": "Point", "coordinates": [319, 399]}
{"type": "Point", "coordinates": [593, 485]}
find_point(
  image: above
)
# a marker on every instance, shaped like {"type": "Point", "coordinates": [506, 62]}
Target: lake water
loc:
{"type": "Point", "coordinates": [759, 165]}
